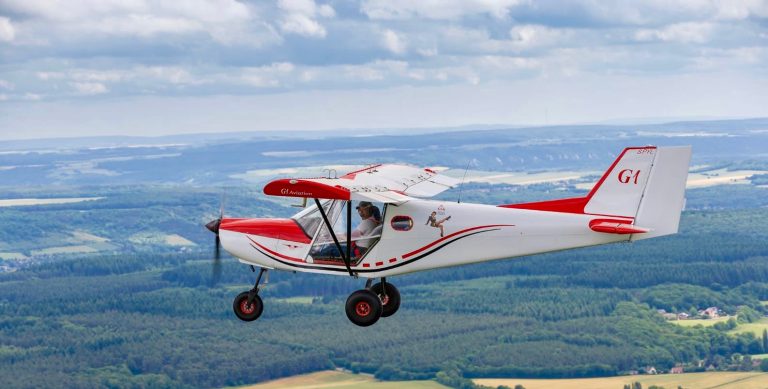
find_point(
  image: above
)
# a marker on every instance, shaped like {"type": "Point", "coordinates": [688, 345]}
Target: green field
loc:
{"type": "Point", "coordinates": [702, 322]}
{"type": "Point", "coordinates": [339, 379]}
{"type": "Point", "coordinates": [755, 328]}
{"type": "Point", "coordinates": [720, 380]}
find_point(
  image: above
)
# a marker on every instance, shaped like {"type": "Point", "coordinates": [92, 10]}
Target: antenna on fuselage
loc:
{"type": "Point", "coordinates": [461, 185]}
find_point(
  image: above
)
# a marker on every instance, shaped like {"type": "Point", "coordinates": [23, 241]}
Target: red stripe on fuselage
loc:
{"type": "Point", "coordinates": [275, 253]}
{"type": "Point", "coordinates": [412, 253]}
{"type": "Point", "coordinates": [283, 229]}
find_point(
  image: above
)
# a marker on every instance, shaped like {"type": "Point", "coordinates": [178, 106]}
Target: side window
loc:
{"type": "Point", "coordinates": [402, 223]}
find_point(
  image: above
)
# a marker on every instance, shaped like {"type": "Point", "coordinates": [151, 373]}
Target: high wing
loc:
{"type": "Point", "coordinates": [379, 183]}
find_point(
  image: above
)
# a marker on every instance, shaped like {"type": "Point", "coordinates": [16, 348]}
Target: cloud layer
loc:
{"type": "Point", "coordinates": [93, 50]}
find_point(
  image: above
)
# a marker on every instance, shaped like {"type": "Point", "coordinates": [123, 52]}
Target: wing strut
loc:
{"type": "Point", "coordinates": [349, 236]}
{"type": "Point", "coordinates": [344, 257]}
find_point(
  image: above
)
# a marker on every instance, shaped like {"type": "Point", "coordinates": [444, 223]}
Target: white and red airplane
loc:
{"type": "Point", "coordinates": [397, 230]}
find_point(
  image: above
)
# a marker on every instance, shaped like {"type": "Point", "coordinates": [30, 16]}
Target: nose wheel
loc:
{"type": "Point", "coordinates": [248, 305]}
{"type": "Point", "coordinates": [247, 309]}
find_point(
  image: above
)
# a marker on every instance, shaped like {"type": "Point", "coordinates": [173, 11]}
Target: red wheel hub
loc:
{"type": "Point", "coordinates": [363, 309]}
{"type": "Point", "coordinates": [247, 308]}
{"type": "Point", "coordinates": [384, 299]}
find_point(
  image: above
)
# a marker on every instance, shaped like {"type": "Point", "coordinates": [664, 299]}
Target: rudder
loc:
{"type": "Point", "coordinates": [664, 196]}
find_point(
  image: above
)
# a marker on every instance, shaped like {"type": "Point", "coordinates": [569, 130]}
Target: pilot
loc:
{"type": "Point", "coordinates": [370, 219]}
{"type": "Point", "coordinates": [370, 222]}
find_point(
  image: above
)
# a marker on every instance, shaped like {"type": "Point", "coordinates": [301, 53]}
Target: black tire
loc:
{"type": "Point", "coordinates": [363, 308]}
{"type": "Point", "coordinates": [244, 311]}
{"type": "Point", "coordinates": [391, 302]}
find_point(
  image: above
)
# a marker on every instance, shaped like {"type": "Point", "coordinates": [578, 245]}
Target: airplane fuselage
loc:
{"type": "Point", "coordinates": [410, 241]}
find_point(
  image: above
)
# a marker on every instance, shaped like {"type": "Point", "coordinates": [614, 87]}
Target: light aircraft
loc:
{"type": "Point", "coordinates": [396, 229]}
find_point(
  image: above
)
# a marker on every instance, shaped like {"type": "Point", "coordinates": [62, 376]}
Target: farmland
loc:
{"type": "Point", "coordinates": [720, 380]}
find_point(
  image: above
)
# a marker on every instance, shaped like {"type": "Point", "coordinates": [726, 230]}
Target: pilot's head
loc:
{"type": "Point", "coordinates": [364, 209]}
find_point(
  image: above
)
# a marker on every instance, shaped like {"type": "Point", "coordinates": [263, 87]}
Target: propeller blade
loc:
{"type": "Point", "coordinates": [221, 207]}
{"type": "Point", "coordinates": [216, 276]}
{"type": "Point", "coordinates": [213, 226]}
{"type": "Point", "coordinates": [217, 251]}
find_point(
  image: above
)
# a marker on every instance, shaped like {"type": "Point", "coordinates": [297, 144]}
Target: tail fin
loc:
{"type": "Point", "coordinates": [646, 184]}
{"type": "Point", "coordinates": [620, 190]}
{"type": "Point", "coordinates": [664, 197]}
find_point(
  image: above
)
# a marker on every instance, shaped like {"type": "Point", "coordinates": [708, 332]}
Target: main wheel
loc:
{"type": "Point", "coordinates": [245, 311]}
{"type": "Point", "coordinates": [390, 301]}
{"type": "Point", "coordinates": [363, 308]}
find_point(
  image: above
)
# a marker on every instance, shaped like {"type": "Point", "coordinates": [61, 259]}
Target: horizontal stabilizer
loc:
{"type": "Point", "coordinates": [621, 227]}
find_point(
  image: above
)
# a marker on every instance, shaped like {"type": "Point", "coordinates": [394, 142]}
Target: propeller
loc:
{"type": "Point", "coordinates": [213, 226]}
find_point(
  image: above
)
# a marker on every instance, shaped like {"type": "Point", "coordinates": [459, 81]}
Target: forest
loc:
{"type": "Point", "coordinates": [154, 319]}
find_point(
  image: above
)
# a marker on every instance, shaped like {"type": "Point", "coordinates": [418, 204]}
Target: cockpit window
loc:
{"type": "Point", "coordinates": [310, 218]}
{"type": "Point", "coordinates": [365, 232]}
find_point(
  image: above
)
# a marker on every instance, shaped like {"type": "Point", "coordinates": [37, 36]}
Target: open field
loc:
{"type": "Point", "coordinates": [305, 300]}
{"type": "Point", "coordinates": [64, 250]}
{"type": "Point", "coordinates": [755, 328]}
{"type": "Point", "coordinates": [519, 178]}
{"type": "Point", "coordinates": [23, 202]}
{"type": "Point", "coordinates": [720, 177]}
{"type": "Point", "coordinates": [339, 379]}
{"type": "Point", "coordinates": [13, 256]}
{"type": "Point", "coordinates": [720, 380]}
{"type": "Point", "coordinates": [702, 322]}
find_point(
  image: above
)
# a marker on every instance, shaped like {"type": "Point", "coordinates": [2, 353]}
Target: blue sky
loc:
{"type": "Point", "coordinates": [141, 67]}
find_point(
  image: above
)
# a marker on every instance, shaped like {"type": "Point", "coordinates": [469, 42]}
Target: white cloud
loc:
{"type": "Point", "coordinates": [171, 74]}
{"type": "Point", "coordinates": [147, 25]}
{"type": "Point", "coordinates": [6, 85]}
{"type": "Point", "coordinates": [430, 52]}
{"type": "Point", "coordinates": [739, 9]}
{"type": "Point", "coordinates": [690, 32]}
{"type": "Point", "coordinates": [394, 42]}
{"type": "Point", "coordinates": [435, 9]}
{"type": "Point", "coordinates": [302, 25]}
{"type": "Point", "coordinates": [141, 18]}
{"type": "Point", "coordinates": [89, 88]}
{"type": "Point", "coordinates": [7, 31]}
{"type": "Point", "coordinates": [299, 17]}
{"type": "Point", "coordinates": [269, 76]}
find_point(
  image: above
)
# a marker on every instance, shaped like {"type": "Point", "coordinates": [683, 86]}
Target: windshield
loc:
{"type": "Point", "coordinates": [310, 218]}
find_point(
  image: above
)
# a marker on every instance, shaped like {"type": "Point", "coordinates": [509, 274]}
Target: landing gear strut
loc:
{"type": "Point", "coordinates": [389, 296]}
{"type": "Point", "coordinates": [248, 305]}
{"type": "Point", "coordinates": [365, 306]}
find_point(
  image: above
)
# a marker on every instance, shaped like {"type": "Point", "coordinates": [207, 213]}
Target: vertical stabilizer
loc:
{"type": "Point", "coordinates": [664, 196]}
{"type": "Point", "coordinates": [620, 190]}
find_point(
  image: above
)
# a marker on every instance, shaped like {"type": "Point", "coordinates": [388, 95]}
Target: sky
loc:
{"type": "Point", "coordinates": [144, 67]}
